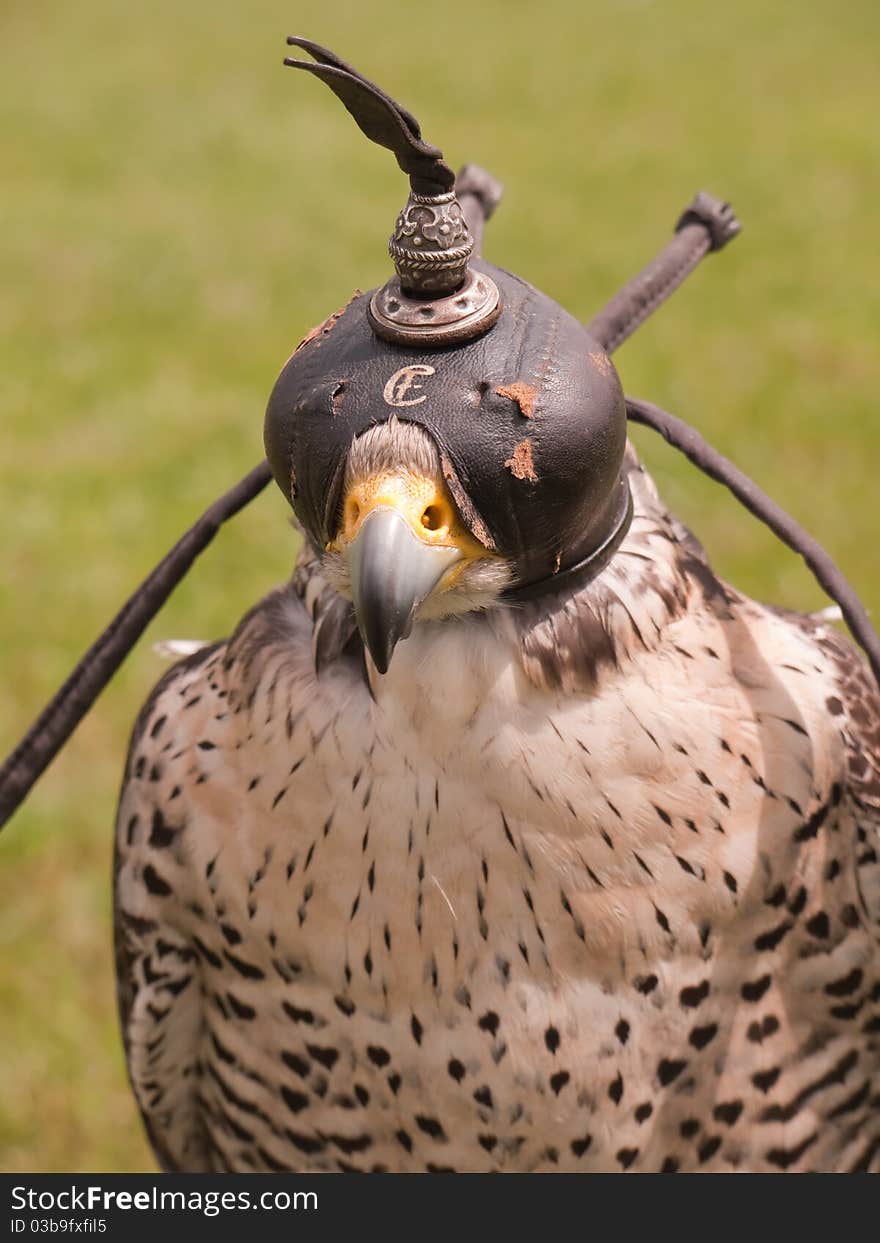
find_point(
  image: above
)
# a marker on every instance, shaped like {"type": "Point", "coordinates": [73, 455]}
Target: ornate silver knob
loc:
{"type": "Point", "coordinates": [431, 245]}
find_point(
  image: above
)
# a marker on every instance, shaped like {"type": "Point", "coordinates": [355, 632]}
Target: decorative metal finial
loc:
{"type": "Point", "coordinates": [431, 245]}
{"type": "Point", "coordinates": [435, 298]}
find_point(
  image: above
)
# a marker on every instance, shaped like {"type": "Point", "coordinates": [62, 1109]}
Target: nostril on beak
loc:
{"type": "Point", "coordinates": [433, 518]}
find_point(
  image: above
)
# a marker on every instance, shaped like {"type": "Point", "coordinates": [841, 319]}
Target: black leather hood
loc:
{"type": "Point", "coordinates": [529, 419]}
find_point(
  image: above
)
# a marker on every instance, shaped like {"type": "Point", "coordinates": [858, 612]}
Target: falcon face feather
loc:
{"type": "Point", "coordinates": [403, 552]}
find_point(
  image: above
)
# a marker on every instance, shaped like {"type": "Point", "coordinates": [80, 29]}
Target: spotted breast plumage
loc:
{"type": "Point", "coordinates": [582, 883]}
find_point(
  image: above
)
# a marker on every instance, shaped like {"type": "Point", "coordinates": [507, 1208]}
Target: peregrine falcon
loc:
{"type": "Point", "coordinates": [505, 836]}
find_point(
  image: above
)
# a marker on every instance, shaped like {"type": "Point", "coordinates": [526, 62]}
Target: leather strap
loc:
{"type": "Point", "coordinates": [68, 706]}
{"type": "Point", "coordinates": [712, 463]}
{"type": "Point", "coordinates": [707, 225]}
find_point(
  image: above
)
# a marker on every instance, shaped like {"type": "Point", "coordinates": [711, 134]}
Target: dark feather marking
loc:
{"type": "Point", "coordinates": [155, 884]}
{"type": "Point", "coordinates": [161, 834]}
{"type": "Point", "coordinates": [245, 969]}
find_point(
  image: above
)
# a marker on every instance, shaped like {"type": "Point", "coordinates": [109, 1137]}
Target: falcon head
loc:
{"type": "Point", "coordinates": [454, 437]}
{"type": "Point", "coordinates": [438, 481]}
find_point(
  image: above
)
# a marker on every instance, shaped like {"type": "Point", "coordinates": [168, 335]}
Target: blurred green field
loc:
{"type": "Point", "coordinates": [178, 210]}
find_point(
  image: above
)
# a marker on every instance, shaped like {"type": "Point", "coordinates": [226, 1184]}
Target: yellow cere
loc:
{"type": "Point", "coordinates": [424, 502]}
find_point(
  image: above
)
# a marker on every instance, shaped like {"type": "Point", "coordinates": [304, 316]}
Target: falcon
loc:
{"type": "Point", "coordinates": [505, 836]}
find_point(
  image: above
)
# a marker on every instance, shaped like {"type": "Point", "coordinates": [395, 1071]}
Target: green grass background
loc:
{"type": "Point", "coordinates": [178, 210]}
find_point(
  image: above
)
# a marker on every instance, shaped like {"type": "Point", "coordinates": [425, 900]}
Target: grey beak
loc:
{"type": "Point", "coordinates": [391, 572]}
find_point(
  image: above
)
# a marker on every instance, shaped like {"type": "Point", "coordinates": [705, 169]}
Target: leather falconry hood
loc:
{"type": "Point", "coordinates": [529, 419]}
{"type": "Point", "coordinates": [523, 404]}
{"type": "Point", "coordinates": [525, 407]}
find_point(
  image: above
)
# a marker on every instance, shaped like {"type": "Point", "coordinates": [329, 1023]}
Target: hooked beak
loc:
{"type": "Point", "coordinates": [391, 572]}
